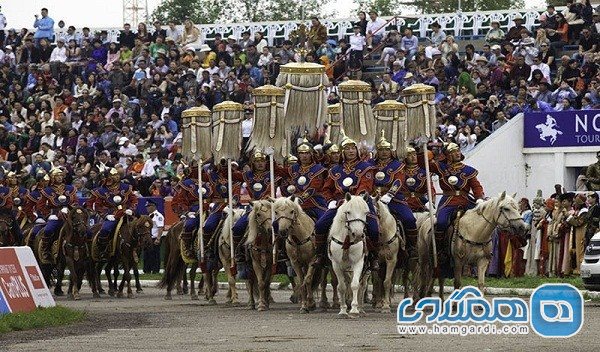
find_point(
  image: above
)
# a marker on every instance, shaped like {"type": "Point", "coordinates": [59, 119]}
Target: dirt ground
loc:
{"type": "Point", "coordinates": [149, 323]}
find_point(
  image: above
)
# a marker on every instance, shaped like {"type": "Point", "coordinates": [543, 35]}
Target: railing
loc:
{"type": "Point", "coordinates": [456, 24]}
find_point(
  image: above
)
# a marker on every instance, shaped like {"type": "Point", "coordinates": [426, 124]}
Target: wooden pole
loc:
{"type": "Point", "coordinates": [430, 197]}
{"type": "Point", "coordinates": [230, 214]}
{"type": "Point", "coordinates": [201, 215]}
{"type": "Point", "coordinates": [272, 177]}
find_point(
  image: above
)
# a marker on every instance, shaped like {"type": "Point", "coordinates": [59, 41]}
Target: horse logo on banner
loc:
{"type": "Point", "coordinates": [549, 129]}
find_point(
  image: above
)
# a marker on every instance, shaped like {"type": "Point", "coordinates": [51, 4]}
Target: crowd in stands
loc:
{"type": "Point", "coordinates": [77, 100]}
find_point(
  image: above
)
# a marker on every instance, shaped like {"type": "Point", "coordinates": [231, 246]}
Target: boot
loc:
{"type": "Point", "coordinates": [442, 248]}
{"type": "Point", "coordinates": [102, 244]}
{"type": "Point", "coordinates": [320, 250]}
{"type": "Point", "coordinates": [240, 251]}
{"type": "Point", "coordinates": [187, 245]}
{"type": "Point", "coordinates": [411, 243]}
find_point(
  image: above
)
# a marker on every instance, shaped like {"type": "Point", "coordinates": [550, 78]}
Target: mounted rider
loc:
{"type": "Point", "coordinates": [257, 182]}
{"type": "Point", "coordinates": [332, 153]}
{"type": "Point", "coordinates": [352, 176]}
{"type": "Point", "coordinates": [113, 199]}
{"type": "Point", "coordinates": [414, 186]}
{"type": "Point", "coordinates": [56, 199]}
{"type": "Point", "coordinates": [305, 180]}
{"type": "Point", "coordinates": [284, 186]}
{"type": "Point", "coordinates": [17, 192]}
{"type": "Point", "coordinates": [34, 196]}
{"type": "Point", "coordinates": [389, 176]}
{"type": "Point", "coordinates": [461, 191]}
{"type": "Point", "coordinates": [6, 209]}
{"type": "Point", "coordinates": [185, 203]}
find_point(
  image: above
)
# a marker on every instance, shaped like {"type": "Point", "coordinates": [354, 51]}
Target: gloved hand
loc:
{"type": "Point", "coordinates": [386, 198]}
{"type": "Point", "coordinates": [129, 212]}
{"type": "Point", "coordinates": [191, 215]}
{"type": "Point", "coordinates": [332, 204]}
{"type": "Point", "coordinates": [64, 210]}
{"type": "Point", "coordinates": [111, 218]}
{"type": "Point", "coordinates": [479, 201]}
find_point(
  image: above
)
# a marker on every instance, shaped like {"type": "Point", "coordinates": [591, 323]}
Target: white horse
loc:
{"type": "Point", "coordinates": [296, 226]}
{"type": "Point", "coordinates": [472, 243]}
{"type": "Point", "coordinates": [225, 254]}
{"type": "Point", "coordinates": [391, 243]}
{"type": "Point", "coordinates": [347, 250]}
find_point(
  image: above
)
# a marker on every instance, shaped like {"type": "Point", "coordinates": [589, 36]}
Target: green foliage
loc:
{"type": "Point", "coordinates": [450, 6]}
{"type": "Point", "coordinates": [222, 11]}
{"type": "Point", "coordinates": [383, 7]}
{"type": "Point", "coordinates": [39, 318]}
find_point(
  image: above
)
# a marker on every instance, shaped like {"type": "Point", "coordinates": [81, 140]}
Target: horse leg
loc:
{"type": "Point", "coordinates": [458, 269]}
{"type": "Point", "coordinates": [136, 275]}
{"type": "Point", "coordinates": [91, 276]}
{"type": "Point", "coordinates": [336, 295]}
{"type": "Point", "coordinates": [341, 289]}
{"type": "Point", "coordinates": [307, 281]}
{"type": "Point", "coordinates": [387, 285]}
{"type": "Point", "coordinates": [250, 286]}
{"type": "Point", "coordinates": [73, 292]}
{"type": "Point", "coordinates": [482, 265]}
{"type": "Point", "coordinates": [300, 287]}
{"type": "Point", "coordinates": [355, 286]}
{"type": "Point", "coordinates": [324, 304]}
{"type": "Point", "coordinates": [232, 288]}
{"type": "Point", "coordinates": [209, 288]}
{"type": "Point", "coordinates": [116, 273]}
{"type": "Point", "coordinates": [192, 284]}
{"type": "Point", "coordinates": [262, 289]}
{"type": "Point", "coordinates": [127, 278]}
{"type": "Point", "coordinates": [60, 274]}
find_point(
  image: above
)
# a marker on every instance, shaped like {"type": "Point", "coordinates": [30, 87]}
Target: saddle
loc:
{"type": "Point", "coordinates": [112, 238]}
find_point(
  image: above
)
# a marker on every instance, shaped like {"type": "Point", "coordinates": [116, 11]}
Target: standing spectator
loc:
{"type": "Point", "coordinates": [375, 29]}
{"type": "Point", "coordinates": [44, 26]}
{"type": "Point", "coordinates": [152, 253]}
{"type": "Point", "coordinates": [357, 44]}
{"type": "Point", "coordinates": [317, 35]}
{"type": "Point", "coordinates": [158, 31]}
{"type": "Point", "coordinates": [3, 24]}
{"type": "Point", "coordinates": [362, 22]}
{"type": "Point", "coordinates": [437, 38]}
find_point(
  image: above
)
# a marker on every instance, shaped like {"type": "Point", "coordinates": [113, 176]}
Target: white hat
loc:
{"type": "Point", "coordinates": [408, 75]}
{"type": "Point", "coordinates": [205, 48]}
{"type": "Point", "coordinates": [495, 47]}
{"type": "Point", "coordinates": [8, 47]}
{"type": "Point", "coordinates": [116, 100]}
{"type": "Point", "coordinates": [397, 62]}
{"type": "Point", "coordinates": [232, 37]}
{"type": "Point", "coordinates": [122, 140]}
{"type": "Point", "coordinates": [518, 17]}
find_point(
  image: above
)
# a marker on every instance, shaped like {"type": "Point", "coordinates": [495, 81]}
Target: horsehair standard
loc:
{"type": "Point", "coordinates": [420, 103]}
{"type": "Point", "coordinates": [305, 105]}
{"type": "Point", "coordinates": [269, 128]}
{"type": "Point", "coordinates": [356, 113]}
{"type": "Point", "coordinates": [196, 130]}
{"type": "Point", "coordinates": [390, 116]}
{"type": "Point", "coordinates": [227, 129]}
{"type": "Point", "coordinates": [334, 123]}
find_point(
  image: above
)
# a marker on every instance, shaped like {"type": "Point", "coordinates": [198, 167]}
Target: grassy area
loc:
{"type": "Point", "coordinates": [524, 282]}
{"type": "Point", "coordinates": [39, 318]}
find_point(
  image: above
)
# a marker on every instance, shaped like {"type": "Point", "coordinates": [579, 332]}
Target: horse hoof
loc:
{"type": "Point", "coordinates": [385, 310]}
{"type": "Point", "coordinates": [194, 297]}
{"type": "Point", "coordinates": [251, 307]}
{"type": "Point", "coordinates": [59, 293]}
{"type": "Point", "coordinates": [262, 307]}
{"type": "Point", "coordinates": [130, 295]}
{"type": "Point", "coordinates": [101, 291]}
{"type": "Point", "coordinates": [120, 295]}
{"type": "Point", "coordinates": [76, 297]}
{"type": "Point", "coordinates": [312, 306]}
{"type": "Point", "coordinates": [303, 310]}
{"type": "Point", "coordinates": [362, 313]}
{"type": "Point", "coordinates": [342, 316]}
{"type": "Point", "coordinates": [96, 295]}
{"type": "Point", "coordinates": [294, 299]}
{"type": "Point", "coordinates": [168, 298]}
{"type": "Point", "coordinates": [139, 290]}
{"type": "Point", "coordinates": [335, 305]}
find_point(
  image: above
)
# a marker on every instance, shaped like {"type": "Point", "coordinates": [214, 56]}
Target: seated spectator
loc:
{"type": "Point", "coordinates": [495, 35]}
{"type": "Point", "coordinates": [409, 44]}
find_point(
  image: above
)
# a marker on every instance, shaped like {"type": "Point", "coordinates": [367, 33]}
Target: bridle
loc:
{"type": "Point", "coordinates": [496, 222]}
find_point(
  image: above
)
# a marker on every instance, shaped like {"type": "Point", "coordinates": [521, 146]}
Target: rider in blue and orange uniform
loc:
{"type": "Point", "coordinates": [56, 197]}
{"type": "Point", "coordinates": [461, 190]}
{"type": "Point", "coordinates": [20, 193]}
{"type": "Point", "coordinates": [258, 185]}
{"type": "Point", "coordinates": [34, 196]}
{"type": "Point", "coordinates": [286, 186]}
{"type": "Point", "coordinates": [355, 177]}
{"type": "Point", "coordinates": [113, 199]}
{"type": "Point", "coordinates": [389, 176]}
{"type": "Point", "coordinates": [305, 180]}
{"type": "Point", "coordinates": [6, 208]}
{"type": "Point", "coordinates": [186, 203]}
{"type": "Point", "coordinates": [332, 155]}
{"type": "Point", "coordinates": [414, 187]}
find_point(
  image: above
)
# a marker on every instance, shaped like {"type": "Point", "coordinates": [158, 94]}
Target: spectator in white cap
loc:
{"type": "Point", "coordinates": [116, 108]}
{"type": "Point", "coordinates": [9, 57]}
{"type": "Point", "coordinates": [126, 149]}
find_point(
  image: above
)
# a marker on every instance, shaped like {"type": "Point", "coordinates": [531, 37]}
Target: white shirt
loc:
{"type": "Point", "coordinates": [148, 169]}
{"type": "Point", "coordinates": [247, 128]}
{"type": "Point", "coordinates": [59, 54]}
{"type": "Point", "coordinates": [48, 139]}
{"type": "Point", "coordinates": [174, 33]}
{"type": "Point", "coordinates": [542, 67]}
{"type": "Point", "coordinates": [357, 42]}
{"type": "Point", "coordinates": [373, 26]}
{"type": "Point", "coordinates": [2, 21]}
{"type": "Point", "coordinates": [158, 221]}
{"type": "Point", "coordinates": [130, 151]}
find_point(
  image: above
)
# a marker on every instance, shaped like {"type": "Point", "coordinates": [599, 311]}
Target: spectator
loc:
{"type": "Point", "coordinates": [317, 35]}
{"type": "Point", "coordinates": [375, 29]}
{"type": "Point", "coordinates": [44, 26]}
{"type": "Point", "coordinates": [409, 44]}
{"type": "Point", "coordinates": [495, 35]}
{"type": "Point", "coordinates": [588, 43]}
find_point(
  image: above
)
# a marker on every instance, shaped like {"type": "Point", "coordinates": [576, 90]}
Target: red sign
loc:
{"type": "Point", "coordinates": [35, 277]}
{"type": "Point", "coordinates": [14, 284]}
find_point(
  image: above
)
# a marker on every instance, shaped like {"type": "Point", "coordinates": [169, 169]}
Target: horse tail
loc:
{"type": "Point", "coordinates": [174, 264]}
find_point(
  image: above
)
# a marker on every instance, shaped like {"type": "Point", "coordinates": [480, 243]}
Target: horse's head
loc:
{"type": "Point", "coordinates": [354, 213]}
{"type": "Point", "coordinates": [141, 231]}
{"type": "Point", "coordinates": [5, 229]}
{"type": "Point", "coordinates": [259, 220]}
{"type": "Point", "coordinates": [286, 212]}
{"type": "Point", "coordinates": [507, 215]}
{"type": "Point", "coordinates": [79, 219]}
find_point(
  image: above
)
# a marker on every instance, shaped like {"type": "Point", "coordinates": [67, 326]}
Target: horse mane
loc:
{"type": "Point", "coordinates": [253, 228]}
{"type": "Point", "coordinates": [304, 222]}
{"type": "Point", "coordinates": [340, 226]}
{"type": "Point", "coordinates": [387, 221]}
{"type": "Point", "coordinates": [237, 213]}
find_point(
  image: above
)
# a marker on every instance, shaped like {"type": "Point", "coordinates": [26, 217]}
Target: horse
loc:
{"type": "Point", "coordinates": [224, 249]}
{"type": "Point", "coordinates": [138, 233]}
{"type": "Point", "coordinates": [260, 247]}
{"type": "Point", "coordinates": [74, 247]}
{"type": "Point", "coordinates": [424, 272]}
{"type": "Point", "coordinates": [57, 264]}
{"type": "Point", "coordinates": [547, 130]}
{"type": "Point", "coordinates": [391, 243]}
{"type": "Point", "coordinates": [347, 250]}
{"type": "Point", "coordinates": [296, 227]}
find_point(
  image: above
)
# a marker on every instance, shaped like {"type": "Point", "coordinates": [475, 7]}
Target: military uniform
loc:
{"type": "Point", "coordinates": [388, 184]}
{"type": "Point", "coordinates": [354, 177]}
{"type": "Point", "coordinates": [414, 185]}
{"type": "Point", "coordinates": [20, 193]}
{"type": "Point", "coordinates": [34, 197]}
{"type": "Point", "coordinates": [593, 175]}
{"type": "Point", "coordinates": [54, 198]}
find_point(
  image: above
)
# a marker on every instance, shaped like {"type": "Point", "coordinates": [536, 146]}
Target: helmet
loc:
{"type": "Point", "coordinates": [450, 147]}
{"type": "Point", "coordinates": [56, 172]}
{"type": "Point", "coordinates": [291, 159]}
{"type": "Point", "coordinates": [329, 147]}
{"type": "Point", "coordinates": [383, 143]}
{"type": "Point", "coordinates": [305, 146]}
{"type": "Point", "coordinates": [258, 155]}
{"type": "Point", "coordinates": [410, 150]}
{"type": "Point", "coordinates": [347, 141]}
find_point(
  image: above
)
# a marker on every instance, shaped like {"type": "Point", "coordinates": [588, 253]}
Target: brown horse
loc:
{"type": "Point", "coordinates": [138, 232]}
{"type": "Point", "coordinates": [74, 246]}
{"type": "Point", "coordinates": [175, 267]}
{"type": "Point", "coordinates": [56, 266]}
{"type": "Point", "coordinates": [7, 238]}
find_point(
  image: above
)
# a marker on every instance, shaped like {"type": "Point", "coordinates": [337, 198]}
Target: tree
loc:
{"type": "Point", "coordinates": [222, 11]}
{"type": "Point", "coordinates": [382, 7]}
{"type": "Point", "coordinates": [450, 6]}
